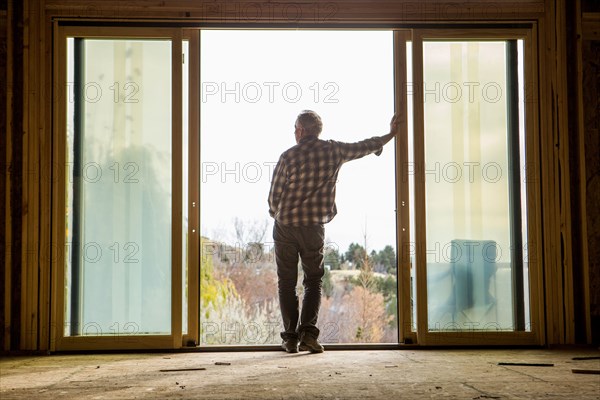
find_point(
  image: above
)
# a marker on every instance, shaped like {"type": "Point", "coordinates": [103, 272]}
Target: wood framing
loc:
{"type": "Point", "coordinates": [404, 266]}
{"type": "Point", "coordinates": [5, 148]}
{"type": "Point", "coordinates": [299, 11]}
{"type": "Point", "coordinates": [419, 236]}
{"type": "Point", "coordinates": [591, 29]}
{"type": "Point", "coordinates": [177, 187]}
{"type": "Point", "coordinates": [587, 157]}
{"type": "Point", "coordinates": [556, 220]}
{"type": "Point", "coordinates": [193, 205]}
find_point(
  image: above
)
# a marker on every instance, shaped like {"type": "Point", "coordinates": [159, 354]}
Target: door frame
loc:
{"type": "Point", "coordinates": [405, 238]}
{"type": "Point", "coordinates": [192, 336]}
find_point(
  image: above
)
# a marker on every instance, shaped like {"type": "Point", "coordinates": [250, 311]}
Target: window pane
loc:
{"type": "Point", "coordinates": [469, 185]}
{"type": "Point", "coordinates": [119, 198]}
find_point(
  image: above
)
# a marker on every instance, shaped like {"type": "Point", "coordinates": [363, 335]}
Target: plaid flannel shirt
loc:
{"type": "Point", "coordinates": [303, 185]}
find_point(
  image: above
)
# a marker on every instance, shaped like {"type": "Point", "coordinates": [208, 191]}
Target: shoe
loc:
{"type": "Point", "coordinates": [311, 344]}
{"type": "Point", "coordinates": [290, 345]}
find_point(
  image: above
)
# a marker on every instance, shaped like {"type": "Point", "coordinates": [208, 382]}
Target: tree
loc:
{"type": "Point", "coordinates": [249, 231]}
{"type": "Point", "coordinates": [387, 259]}
{"type": "Point", "coordinates": [388, 288]}
{"type": "Point", "coordinates": [370, 319]}
{"type": "Point", "coordinates": [250, 237]}
{"type": "Point", "coordinates": [332, 257]}
{"type": "Point", "coordinates": [213, 291]}
{"type": "Point", "coordinates": [355, 254]}
{"type": "Point", "coordinates": [327, 284]}
{"type": "Point", "coordinates": [366, 276]}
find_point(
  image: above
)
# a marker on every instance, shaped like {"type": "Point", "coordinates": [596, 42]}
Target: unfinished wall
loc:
{"type": "Point", "coordinates": [25, 197]}
{"type": "Point", "coordinates": [583, 25]}
{"type": "Point", "coordinates": [11, 149]}
{"type": "Point", "coordinates": [3, 40]}
{"type": "Point", "coordinates": [591, 117]}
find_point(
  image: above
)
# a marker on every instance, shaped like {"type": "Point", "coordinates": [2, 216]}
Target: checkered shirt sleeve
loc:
{"type": "Point", "coordinates": [303, 184]}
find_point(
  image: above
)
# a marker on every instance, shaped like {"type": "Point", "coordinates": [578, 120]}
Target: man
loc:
{"type": "Point", "coordinates": [302, 200]}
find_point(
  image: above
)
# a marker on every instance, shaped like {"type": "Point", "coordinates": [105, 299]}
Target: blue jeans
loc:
{"type": "Point", "coordinates": [291, 244]}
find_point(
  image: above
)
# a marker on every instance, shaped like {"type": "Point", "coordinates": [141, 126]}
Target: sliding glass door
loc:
{"type": "Point", "coordinates": [165, 142]}
{"type": "Point", "coordinates": [122, 198]}
{"type": "Point", "coordinates": [470, 149]}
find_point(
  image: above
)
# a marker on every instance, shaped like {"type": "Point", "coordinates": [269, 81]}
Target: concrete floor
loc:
{"type": "Point", "coordinates": [388, 374]}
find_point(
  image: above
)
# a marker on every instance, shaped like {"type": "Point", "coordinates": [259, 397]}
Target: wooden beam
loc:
{"type": "Point", "coordinates": [564, 186]}
{"type": "Point", "coordinates": [14, 188]}
{"type": "Point", "coordinates": [550, 258]}
{"type": "Point", "coordinates": [557, 258]}
{"type": "Point", "coordinates": [58, 142]}
{"type": "Point", "coordinates": [30, 165]}
{"type": "Point", "coordinates": [581, 283]}
{"type": "Point", "coordinates": [45, 179]}
{"type": "Point", "coordinates": [299, 11]}
{"type": "Point", "coordinates": [590, 26]}
{"type": "Point", "coordinates": [533, 179]}
{"type": "Point", "coordinates": [5, 157]}
{"type": "Point", "coordinates": [176, 188]}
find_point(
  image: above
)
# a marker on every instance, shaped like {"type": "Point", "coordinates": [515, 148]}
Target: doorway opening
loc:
{"type": "Point", "coordinates": [253, 84]}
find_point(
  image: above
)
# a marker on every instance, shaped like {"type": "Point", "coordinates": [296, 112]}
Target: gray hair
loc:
{"type": "Point", "coordinates": [311, 122]}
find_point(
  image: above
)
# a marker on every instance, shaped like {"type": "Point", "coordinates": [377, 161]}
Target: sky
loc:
{"type": "Point", "coordinates": [253, 86]}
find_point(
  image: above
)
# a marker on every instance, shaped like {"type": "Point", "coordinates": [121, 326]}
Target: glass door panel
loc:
{"type": "Point", "coordinates": [119, 155]}
{"type": "Point", "coordinates": [474, 204]}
